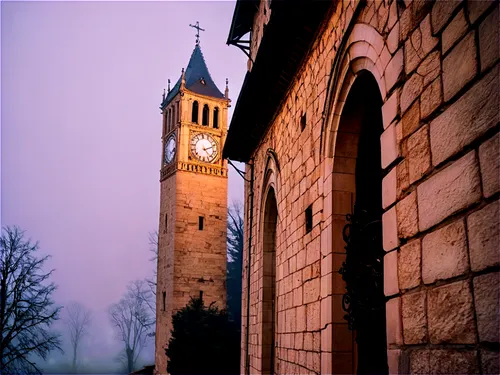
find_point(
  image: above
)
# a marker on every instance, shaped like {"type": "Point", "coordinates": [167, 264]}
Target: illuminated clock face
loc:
{"type": "Point", "coordinates": [170, 149]}
{"type": "Point", "coordinates": [204, 147]}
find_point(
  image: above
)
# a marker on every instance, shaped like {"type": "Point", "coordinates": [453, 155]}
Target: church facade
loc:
{"type": "Point", "coordinates": [369, 130]}
{"type": "Point", "coordinates": [193, 198]}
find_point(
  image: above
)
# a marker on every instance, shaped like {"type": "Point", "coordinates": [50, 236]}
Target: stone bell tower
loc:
{"type": "Point", "coordinates": [193, 197]}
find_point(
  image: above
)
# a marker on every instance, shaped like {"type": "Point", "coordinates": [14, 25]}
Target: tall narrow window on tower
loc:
{"type": "Point", "coordinates": [200, 222]}
{"type": "Point", "coordinates": [194, 116]}
{"type": "Point", "coordinates": [166, 223]}
{"type": "Point", "coordinates": [173, 117]}
{"type": "Point", "coordinates": [164, 295]}
{"type": "Point", "coordinates": [204, 117]}
{"type": "Point", "coordinates": [216, 117]}
{"type": "Point", "coordinates": [168, 120]}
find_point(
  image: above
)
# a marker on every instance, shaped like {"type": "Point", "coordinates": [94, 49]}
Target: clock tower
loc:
{"type": "Point", "coordinates": [193, 198]}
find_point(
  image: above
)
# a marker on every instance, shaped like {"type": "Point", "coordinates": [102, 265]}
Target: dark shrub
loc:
{"type": "Point", "coordinates": [204, 341]}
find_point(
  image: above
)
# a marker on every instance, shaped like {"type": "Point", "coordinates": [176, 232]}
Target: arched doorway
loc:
{"type": "Point", "coordinates": [269, 284]}
{"type": "Point", "coordinates": [357, 192]}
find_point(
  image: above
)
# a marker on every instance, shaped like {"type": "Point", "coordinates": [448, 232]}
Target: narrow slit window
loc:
{"type": "Point", "coordinates": [164, 295]}
{"type": "Point", "coordinates": [303, 121]}
{"type": "Point", "coordinates": [309, 219]}
{"type": "Point", "coordinates": [200, 222]}
{"type": "Point", "coordinates": [216, 117]}
{"type": "Point", "coordinates": [194, 115]}
{"type": "Point", "coordinates": [204, 117]}
{"type": "Point", "coordinates": [166, 224]}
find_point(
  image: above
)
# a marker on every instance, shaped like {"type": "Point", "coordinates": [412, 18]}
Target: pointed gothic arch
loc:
{"type": "Point", "coordinates": [216, 118]}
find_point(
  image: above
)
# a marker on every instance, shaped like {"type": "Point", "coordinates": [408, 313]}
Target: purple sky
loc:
{"type": "Point", "coordinates": [80, 149]}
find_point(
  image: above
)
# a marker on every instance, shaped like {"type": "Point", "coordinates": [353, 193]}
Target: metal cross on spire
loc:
{"type": "Point", "coordinates": [198, 28]}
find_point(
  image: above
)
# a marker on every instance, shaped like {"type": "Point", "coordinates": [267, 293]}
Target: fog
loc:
{"type": "Point", "coordinates": [80, 141]}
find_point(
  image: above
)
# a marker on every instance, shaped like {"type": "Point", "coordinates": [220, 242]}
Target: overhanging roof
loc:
{"type": "Point", "coordinates": [286, 41]}
{"type": "Point", "coordinates": [242, 22]}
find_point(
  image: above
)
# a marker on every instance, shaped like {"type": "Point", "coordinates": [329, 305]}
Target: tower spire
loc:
{"type": "Point", "coordinates": [226, 92]}
{"type": "Point", "coordinates": [198, 29]}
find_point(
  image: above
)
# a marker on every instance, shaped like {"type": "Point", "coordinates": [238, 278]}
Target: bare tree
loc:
{"type": "Point", "coordinates": [153, 247]}
{"type": "Point", "coordinates": [78, 319]}
{"type": "Point", "coordinates": [26, 308]}
{"type": "Point", "coordinates": [235, 227]}
{"type": "Point", "coordinates": [133, 320]}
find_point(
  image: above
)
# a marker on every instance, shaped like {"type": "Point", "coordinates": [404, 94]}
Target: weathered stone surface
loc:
{"type": "Point", "coordinates": [431, 98]}
{"type": "Point", "coordinates": [393, 359]}
{"type": "Point", "coordinates": [411, 90]}
{"type": "Point", "coordinates": [450, 361]}
{"type": "Point", "coordinates": [450, 314]}
{"type": "Point", "coordinates": [393, 319]}
{"type": "Point", "coordinates": [393, 70]}
{"type": "Point", "coordinates": [391, 273]}
{"type": "Point", "coordinates": [456, 29]}
{"type": "Point", "coordinates": [430, 67]}
{"type": "Point", "coordinates": [484, 237]}
{"type": "Point", "coordinates": [414, 318]}
{"type": "Point", "coordinates": [409, 259]}
{"type": "Point", "coordinates": [444, 253]}
{"type": "Point", "coordinates": [390, 109]}
{"type": "Point", "coordinates": [420, 43]}
{"type": "Point", "coordinates": [419, 154]}
{"type": "Point", "coordinates": [393, 37]}
{"type": "Point", "coordinates": [420, 362]}
{"type": "Point", "coordinates": [411, 119]}
{"type": "Point", "coordinates": [389, 230]}
{"type": "Point", "coordinates": [441, 13]}
{"type": "Point", "coordinates": [477, 8]}
{"type": "Point", "coordinates": [486, 297]}
{"type": "Point", "coordinates": [389, 151]}
{"type": "Point", "coordinates": [450, 190]}
{"type": "Point", "coordinates": [389, 189]}
{"type": "Point", "coordinates": [488, 40]}
{"type": "Point", "coordinates": [490, 362]}
{"type": "Point", "coordinates": [407, 214]}
{"type": "Point", "coordinates": [489, 160]}
{"type": "Point", "coordinates": [402, 179]}
{"type": "Point", "coordinates": [465, 120]}
{"type": "Point", "coordinates": [459, 67]}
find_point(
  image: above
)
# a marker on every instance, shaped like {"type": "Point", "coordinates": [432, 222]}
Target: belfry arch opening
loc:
{"type": "Point", "coordinates": [269, 284]}
{"type": "Point", "coordinates": [357, 216]}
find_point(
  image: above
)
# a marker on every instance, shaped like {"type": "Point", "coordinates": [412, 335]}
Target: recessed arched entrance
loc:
{"type": "Point", "coordinates": [359, 342]}
{"type": "Point", "coordinates": [269, 284]}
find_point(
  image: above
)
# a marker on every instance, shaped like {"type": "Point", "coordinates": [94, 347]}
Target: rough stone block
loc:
{"type": "Point", "coordinates": [488, 40]}
{"type": "Point", "coordinates": [477, 8]}
{"type": "Point", "coordinates": [389, 230]}
{"type": "Point", "coordinates": [460, 66]}
{"type": "Point", "coordinates": [411, 120]}
{"type": "Point", "coordinates": [455, 362]}
{"type": "Point", "coordinates": [420, 43]}
{"type": "Point", "coordinates": [489, 160]}
{"type": "Point", "coordinates": [409, 259]}
{"type": "Point", "coordinates": [414, 318]}
{"type": "Point", "coordinates": [393, 321]}
{"type": "Point", "coordinates": [444, 253]}
{"type": "Point", "coordinates": [390, 109]}
{"type": "Point", "coordinates": [389, 189]}
{"type": "Point", "coordinates": [455, 30]}
{"type": "Point", "coordinates": [393, 37]}
{"type": "Point", "coordinates": [466, 119]}
{"type": "Point", "coordinates": [490, 362]}
{"type": "Point", "coordinates": [393, 70]}
{"type": "Point", "coordinates": [391, 273]}
{"type": "Point", "coordinates": [388, 146]}
{"type": "Point", "coordinates": [419, 154]}
{"type": "Point", "coordinates": [393, 356]}
{"type": "Point", "coordinates": [420, 362]}
{"type": "Point", "coordinates": [450, 190]}
{"type": "Point", "coordinates": [430, 67]}
{"type": "Point", "coordinates": [431, 98]}
{"type": "Point", "coordinates": [450, 314]}
{"type": "Point", "coordinates": [407, 215]}
{"type": "Point", "coordinates": [411, 91]}
{"type": "Point", "coordinates": [484, 237]}
{"type": "Point", "coordinates": [441, 13]}
{"type": "Point", "coordinates": [486, 298]}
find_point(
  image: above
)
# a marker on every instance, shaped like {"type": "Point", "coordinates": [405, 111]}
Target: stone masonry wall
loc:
{"type": "Point", "coordinates": [436, 64]}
